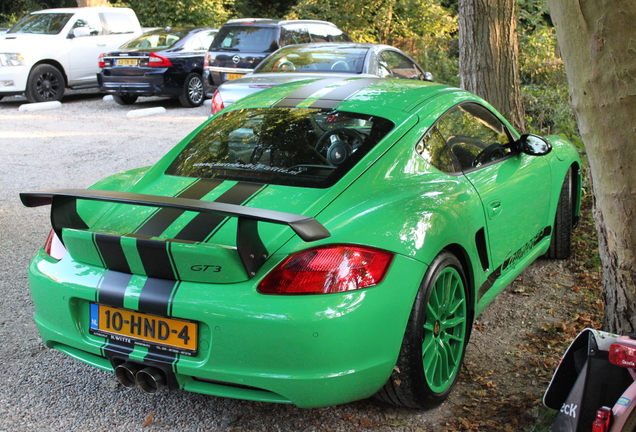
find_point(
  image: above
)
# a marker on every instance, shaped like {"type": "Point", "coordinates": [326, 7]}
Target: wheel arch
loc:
{"type": "Point", "coordinates": [57, 65]}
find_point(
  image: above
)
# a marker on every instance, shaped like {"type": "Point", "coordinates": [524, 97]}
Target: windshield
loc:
{"type": "Point", "coordinates": [287, 146]}
{"type": "Point", "coordinates": [43, 23]}
{"type": "Point", "coordinates": [246, 39]}
{"type": "Point", "coordinates": [312, 59]}
{"type": "Point", "coordinates": [156, 39]}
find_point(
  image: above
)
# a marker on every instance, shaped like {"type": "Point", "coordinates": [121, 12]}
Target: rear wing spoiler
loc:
{"type": "Point", "coordinates": [248, 243]}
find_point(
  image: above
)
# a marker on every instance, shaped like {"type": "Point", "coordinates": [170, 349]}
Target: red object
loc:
{"type": "Point", "coordinates": [156, 60]}
{"type": "Point", "coordinates": [100, 61]}
{"type": "Point", "coordinates": [217, 102]}
{"type": "Point", "coordinates": [622, 355]}
{"type": "Point", "coordinates": [54, 247]}
{"type": "Point", "coordinates": [328, 269]}
{"type": "Point", "coordinates": [603, 420]}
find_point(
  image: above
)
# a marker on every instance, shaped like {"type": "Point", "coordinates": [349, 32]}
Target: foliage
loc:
{"type": "Point", "coordinates": [161, 13]}
{"type": "Point", "coordinates": [262, 8]}
{"type": "Point", "coordinates": [12, 11]}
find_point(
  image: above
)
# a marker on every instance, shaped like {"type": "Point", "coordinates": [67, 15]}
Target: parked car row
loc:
{"type": "Point", "coordinates": [51, 50]}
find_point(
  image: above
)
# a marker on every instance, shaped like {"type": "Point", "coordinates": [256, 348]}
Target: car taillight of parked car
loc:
{"type": "Point", "coordinates": [156, 60]}
{"type": "Point", "coordinates": [104, 61]}
{"type": "Point", "coordinates": [206, 60]}
{"type": "Point", "coordinates": [217, 102]}
{"type": "Point", "coordinates": [328, 269]}
{"type": "Point", "coordinates": [53, 246]}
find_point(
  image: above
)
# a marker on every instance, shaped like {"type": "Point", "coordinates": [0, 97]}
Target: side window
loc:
{"type": "Point", "coordinates": [334, 34]}
{"type": "Point", "coordinates": [87, 25]}
{"type": "Point", "coordinates": [432, 147]}
{"type": "Point", "coordinates": [399, 66]}
{"type": "Point", "coordinates": [117, 23]}
{"type": "Point", "coordinates": [317, 33]}
{"type": "Point", "coordinates": [474, 135]}
{"type": "Point", "coordinates": [202, 40]}
{"type": "Point", "coordinates": [298, 35]}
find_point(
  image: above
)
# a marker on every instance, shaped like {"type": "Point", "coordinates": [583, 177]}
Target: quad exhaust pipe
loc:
{"type": "Point", "coordinates": [149, 379]}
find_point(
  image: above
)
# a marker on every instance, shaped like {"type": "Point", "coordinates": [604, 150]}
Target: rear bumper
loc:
{"type": "Point", "coordinates": [150, 84]}
{"type": "Point", "coordinates": [307, 350]}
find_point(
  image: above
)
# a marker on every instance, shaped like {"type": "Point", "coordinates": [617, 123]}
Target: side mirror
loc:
{"type": "Point", "coordinates": [533, 145]}
{"type": "Point", "coordinates": [80, 31]}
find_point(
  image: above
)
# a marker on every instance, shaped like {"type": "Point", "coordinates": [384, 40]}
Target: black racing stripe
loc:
{"type": "Point", "coordinates": [112, 253]}
{"type": "Point", "coordinates": [156, 295]}
{"type": "Point", "coordinates": [163, 218]}
{"type": "Point", "coordinates": [295, 97]}
{"type": "Point", "coordinates": [112, 288]}
{"type": "Point", "coordinates": [155, 257]}
{"type": "Point", "coordinates": [338, 94]}
{"type": "Point", "coordinates": [205, 224]}
{"type": "Point", "coordinates": [119, 349]}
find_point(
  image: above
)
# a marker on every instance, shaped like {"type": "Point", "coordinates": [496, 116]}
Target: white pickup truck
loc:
{"type": "Point", "coordinates": [53, 49]}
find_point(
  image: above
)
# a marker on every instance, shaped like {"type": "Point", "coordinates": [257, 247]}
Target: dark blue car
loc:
{"type": "Point", "coordinates": [163, 62]}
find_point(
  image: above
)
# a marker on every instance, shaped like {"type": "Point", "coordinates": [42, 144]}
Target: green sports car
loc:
{"type": "Point", "coordinates": [316, 243]}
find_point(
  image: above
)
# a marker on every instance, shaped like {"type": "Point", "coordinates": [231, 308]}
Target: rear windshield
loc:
{"type": "Point", "coordinates": [286, 146]}
{"type": "Point", "coordinates": [246, 39]}
{"type": "Point", "coordinates": [310, 58]}
{"type": "Point", "coordinates": [43, 23]}
{"type": "Point", "coordinates": [156, 39]}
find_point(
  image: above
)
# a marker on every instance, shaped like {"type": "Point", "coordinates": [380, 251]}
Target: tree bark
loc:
{"type": "Point", "coordinates": [90, 3]}
{"type": "Point", "coordinates": [489, 55]}
{"type": "Point", "coordinates": [597, 40]}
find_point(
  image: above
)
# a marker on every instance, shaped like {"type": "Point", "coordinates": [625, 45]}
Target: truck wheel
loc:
{"type": "Point", "coordinates": [192, 95]}
{"type": "Point", "coordinates": [45, 83]}
{"type": "Point", "coordinates": [125, 99]}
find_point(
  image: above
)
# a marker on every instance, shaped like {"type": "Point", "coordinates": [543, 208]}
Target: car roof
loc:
{"type": "Point", "coordinates": [394, 99]}
{"type": "Point", "coordinates": [78, 9]}
{"type": "Point", "coordinates": [274, 22]}
{"type": "Point", "coordinates": [336, 45]}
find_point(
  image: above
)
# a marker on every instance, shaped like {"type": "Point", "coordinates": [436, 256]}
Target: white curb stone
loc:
{"type": "Point", "coordinates": [40, 106]}
{"type": "Point", "coordinates": [146, 112]}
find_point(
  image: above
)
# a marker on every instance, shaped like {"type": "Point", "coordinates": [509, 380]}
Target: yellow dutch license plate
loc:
{"type": "Point", "coordinates": [168, 334]}
{"type": "Point", "coordinates": [233, 76]}
{"type": "Point", "coordinates": [126, 62]}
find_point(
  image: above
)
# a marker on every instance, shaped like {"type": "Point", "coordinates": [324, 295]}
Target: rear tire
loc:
{"type": "Point", "coordinates": [192, 95]}
{"type": "Point", "coordinates": [435, 340]}
{"type": "Point", "coordinates": [561, 243]}
{"type": "Point", "coordinates": [45, 84]}
{"type": "Point", "coordinates": [125, 99]}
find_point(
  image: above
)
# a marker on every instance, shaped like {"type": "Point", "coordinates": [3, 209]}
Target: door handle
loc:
{"type": "Point", "coordinates": [494, 209]}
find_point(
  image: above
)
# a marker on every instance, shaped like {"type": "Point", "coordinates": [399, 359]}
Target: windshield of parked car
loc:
{"type": "Point", "coordinates": [312, 59]}
{"type": "Point", "coordinates": [155, 39]}
{"type": "Point", "coordinates": [246, 39]}
{"type": "Point", "coordinates": [287, 146]}
{"type": "Point", "coordinates": [43, 23]}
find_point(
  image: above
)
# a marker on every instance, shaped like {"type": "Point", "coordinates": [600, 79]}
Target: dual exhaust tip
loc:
{"type": "Point", "coordinates": [149, 379]}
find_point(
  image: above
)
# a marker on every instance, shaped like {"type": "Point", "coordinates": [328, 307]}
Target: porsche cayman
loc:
{"type": "Point", "coordinates": [315, 243]}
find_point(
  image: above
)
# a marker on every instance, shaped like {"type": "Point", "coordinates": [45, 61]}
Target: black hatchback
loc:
{"type": "Point", "coordinates": [241, 44]}
{"type": "Point", "coordinates": [163, 62]}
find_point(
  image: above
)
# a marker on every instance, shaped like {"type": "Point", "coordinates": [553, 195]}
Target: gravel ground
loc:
{"type": "Point", "coordinates": [43, 390]}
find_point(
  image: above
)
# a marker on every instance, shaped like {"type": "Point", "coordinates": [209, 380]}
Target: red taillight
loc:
{"type": "Point", "coordinates": [206, 60]}
{"type": "Point", "coordinates": [602, 420]}
{"type": "Point", "coordinates": [53, 246]}
{"type": "Point", "coordinates": [217, 102]}
{"type": "Point", "coordinates": [156, 60]}
{"type": "Point", "coordinates": [100, 61]}
{"type": "Point", "coordinates": [622, 355]}
{"type": "Point", "coordinates": [328, 269]}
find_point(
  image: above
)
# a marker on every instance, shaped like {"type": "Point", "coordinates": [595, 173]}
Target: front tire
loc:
{"type": "Point", "coordinates": [192, 95]}
{"type": "Point", "coordinates": [435, 340]}
{"type": "Point", "coordinates": [561, 243]}
{"type": "Point", "coordinates": [125, 99]}
{"type": "Point", "coordinates": [45, 84]}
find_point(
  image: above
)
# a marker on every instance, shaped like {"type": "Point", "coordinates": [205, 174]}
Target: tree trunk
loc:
{"type": "Point", "coordinates": [598, 45]}
{"type": "Point", "coordinates": [489, 55]}
{"type": "Point", "coordinates": [87, 3]}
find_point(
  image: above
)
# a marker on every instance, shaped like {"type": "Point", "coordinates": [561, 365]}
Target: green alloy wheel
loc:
{"type": "Point", "coordinates": [435, 340]}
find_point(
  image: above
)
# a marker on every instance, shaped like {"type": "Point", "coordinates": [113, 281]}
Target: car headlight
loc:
{"type": "Point", "coordinates": [11, 59]}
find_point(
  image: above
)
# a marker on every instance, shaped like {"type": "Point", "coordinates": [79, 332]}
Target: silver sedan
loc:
{"type": "Point", "coordinates": [298, 62]}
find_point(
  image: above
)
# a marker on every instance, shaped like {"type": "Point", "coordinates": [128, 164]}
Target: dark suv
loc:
{"type": "Point", "coordinates": [241, 44]}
